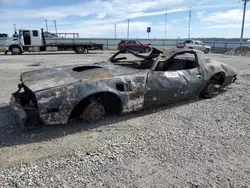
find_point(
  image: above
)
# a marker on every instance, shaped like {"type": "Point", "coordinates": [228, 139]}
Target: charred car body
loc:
{"type": "Point", "coordinates": [118, 85]}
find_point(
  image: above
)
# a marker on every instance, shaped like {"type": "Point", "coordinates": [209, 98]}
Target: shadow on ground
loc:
{"type": "Point", "coordinates": [12, 134]}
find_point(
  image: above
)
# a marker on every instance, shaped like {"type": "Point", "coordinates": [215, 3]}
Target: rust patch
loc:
{"type": "Point", "coordinates": [125, 62]}
{"type": "Point", "coordinates": [101, 75]}
{"type": "Point", "coordinates": [133, 92]}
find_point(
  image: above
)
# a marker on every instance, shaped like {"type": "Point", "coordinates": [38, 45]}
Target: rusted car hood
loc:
{"type": "Point", "coordinates": [46, 78]}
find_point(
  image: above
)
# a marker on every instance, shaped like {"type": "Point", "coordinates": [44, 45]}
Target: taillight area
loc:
{"type": "Point", "coordinates": [26, 96]}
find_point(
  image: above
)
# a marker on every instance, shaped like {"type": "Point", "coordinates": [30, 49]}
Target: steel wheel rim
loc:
{"type": "Point", "coordinates": [212, 89]}
{"type": "Point", "coordinates": [16, 50]}
{"type": "Point", "coordinates": [80, 50]}
{"type": "Point", "coordinates": [94, 112]}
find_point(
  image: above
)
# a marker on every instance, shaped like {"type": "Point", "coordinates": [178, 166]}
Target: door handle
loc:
{"type": "Point", "coordinates": [198, 75]}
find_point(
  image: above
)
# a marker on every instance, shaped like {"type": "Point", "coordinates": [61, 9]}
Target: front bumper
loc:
{"type": "Point", "coordinates": [229, 80]}
{"type": "Point", "coordinates": [7, 48]}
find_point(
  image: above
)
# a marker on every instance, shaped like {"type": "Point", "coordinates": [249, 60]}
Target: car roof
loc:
{"type": "Point", "coordinates": [168, 53]}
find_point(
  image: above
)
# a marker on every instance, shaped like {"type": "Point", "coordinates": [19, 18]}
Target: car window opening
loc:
{"type": "Point", "coordinates": [120, 87]}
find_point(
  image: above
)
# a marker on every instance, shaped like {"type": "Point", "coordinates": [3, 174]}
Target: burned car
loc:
{"type": "Point", "coordinates": [117, 86]}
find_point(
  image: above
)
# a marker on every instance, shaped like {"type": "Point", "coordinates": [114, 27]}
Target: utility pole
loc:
{"type": "Point", "coordinates": [189, 22]}
{"type": "Point", "coordinates": [243, 19]}
{"type": "Point", "coordinates": [115, 31]}
{"type": "Point", "coordinates": [14, 28]}
{"type": "Point", "coordinates": [55, 26]}
{"type": "Point", "coordinates": [128, 29]}
{"type": "Point", "coordinates": [46, 21]}
{"type": "Point", "coordinates": [166, 16]}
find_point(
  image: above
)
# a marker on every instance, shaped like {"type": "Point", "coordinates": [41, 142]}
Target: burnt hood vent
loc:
{"type": "Point", "coordinates": [85, 68]}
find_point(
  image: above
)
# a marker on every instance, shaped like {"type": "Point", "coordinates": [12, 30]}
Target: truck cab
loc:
{"type": "Point", "coordinates": [30, 38]}
{"type": "Point", "coordinates": [37, 41]}
{"type": "Point", "coordinates": [26, 40]}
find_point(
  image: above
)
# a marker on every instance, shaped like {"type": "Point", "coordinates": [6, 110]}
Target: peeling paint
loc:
{"type": "Point", "coordinates": [101, 75]}
{"type": "Point", "coordinates": [134, 105]}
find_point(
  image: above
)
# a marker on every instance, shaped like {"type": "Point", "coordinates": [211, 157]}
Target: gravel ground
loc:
{"type": "Point", "coordinates": [196, 143]}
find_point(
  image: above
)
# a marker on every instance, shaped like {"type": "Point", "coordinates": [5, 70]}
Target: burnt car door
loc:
{"type": "Point", "coordinates": [174, 79]}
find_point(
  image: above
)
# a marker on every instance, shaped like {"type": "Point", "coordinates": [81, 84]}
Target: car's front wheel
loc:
{"type": "Point", "coordinates": [16, 50]}
{"type": "Point", "coordinates": [94, 112]}
{"type": "Point", "coordinates": [206, 51]}
{"type": "Point", "coordinates": [210, 90]}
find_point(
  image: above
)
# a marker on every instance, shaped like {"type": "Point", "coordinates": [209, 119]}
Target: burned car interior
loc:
{"type": "Point", "coordinates": [145, 62]}
{"type": "Point", "coordinates": [180, 61]}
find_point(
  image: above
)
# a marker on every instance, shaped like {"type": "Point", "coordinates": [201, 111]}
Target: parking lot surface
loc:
{"type": "Point", "coordinates": [195, 143]}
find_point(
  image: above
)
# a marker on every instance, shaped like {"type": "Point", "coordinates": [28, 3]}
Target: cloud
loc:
{"type": "Point", "coordinates": [16, 3]}
{"type": "Point", "coordinates": [223, 17]}
{"type": "Point", "coordinates": [228, 26]}
{"type": "Point", "coordinates": [107, 29]}
{"type": "Point", "coordinates": [101, 15]}
{"type": "Point", "coordinates": [96, 18]}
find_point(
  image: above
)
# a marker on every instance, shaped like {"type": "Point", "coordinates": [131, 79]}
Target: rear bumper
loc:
{"type": "Point", "coordinates": [27, 116]}
{"type": "Point", "coordinates": [18, 111]}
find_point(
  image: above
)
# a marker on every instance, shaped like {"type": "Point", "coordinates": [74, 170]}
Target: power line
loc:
{"type": "Point", "coordinates": [243, 19]}
{"type": "Point", "coordinates": [235, 18]}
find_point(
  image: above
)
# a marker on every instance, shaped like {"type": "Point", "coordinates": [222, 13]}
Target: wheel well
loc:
{"type": "Point", "coordinates": [219, 78]}
{"type": "Point", "coordinates": [14, 45]}
{"type": "Point", "coordinates": [111, 102]}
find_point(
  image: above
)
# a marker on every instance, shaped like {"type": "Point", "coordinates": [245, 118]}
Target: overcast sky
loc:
{"type": "Point", "coordinates": [96, 18]}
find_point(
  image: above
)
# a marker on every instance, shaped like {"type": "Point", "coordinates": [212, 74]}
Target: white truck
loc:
{"type": "Point", "coordinates": [35, 41]}
{"type": "Point", "coordinates": [195, 44]}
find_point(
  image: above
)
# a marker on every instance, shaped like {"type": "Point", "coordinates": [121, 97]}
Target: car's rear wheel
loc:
{"type": "Point", "coordinates": [79, 49]}
{"type": "Point", "coordinates": [206, 51]}
{"type": "Point", "coordinates": [94, 112]}
{"type": "Point", "coordinates": [146, 50]}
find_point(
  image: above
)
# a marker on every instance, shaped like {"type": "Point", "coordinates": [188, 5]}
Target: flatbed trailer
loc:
{"type": "Point", "coordinates": [34, 41]}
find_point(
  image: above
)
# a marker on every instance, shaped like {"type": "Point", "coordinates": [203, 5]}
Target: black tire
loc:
{"type": "Point", "coordinates": [94, 112]}
{"type": "Point", "coordinates": [210, 90]}
{"type": "Point", "coordinates": [16, 50]}
{"type": "Point", "coordinates": [147, 50]}
{"type": "Point", "coordinates": [206, 51]}
{"type": "Point", "coordinates": [79, 50]}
